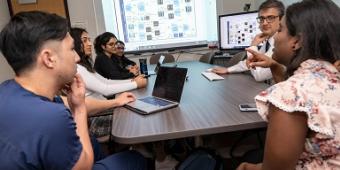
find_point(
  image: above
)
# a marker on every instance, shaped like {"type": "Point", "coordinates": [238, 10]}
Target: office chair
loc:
{"type": "Point", "coordinates": [207, 58]}
{"type": "Point", "coordinates": [236, 58]}
{"type": "Point", "coordinates": [169, 58]}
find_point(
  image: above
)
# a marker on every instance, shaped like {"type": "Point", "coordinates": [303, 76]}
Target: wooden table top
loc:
{"type": "Point", "coordinates": [206, 107]}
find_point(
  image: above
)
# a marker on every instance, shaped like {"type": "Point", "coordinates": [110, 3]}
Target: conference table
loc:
{"type": "Point", "coordinates": [207, 107]}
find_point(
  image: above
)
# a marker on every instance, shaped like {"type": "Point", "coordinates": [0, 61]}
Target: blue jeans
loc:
{"type": "Point", "coordinates": [128, 160]}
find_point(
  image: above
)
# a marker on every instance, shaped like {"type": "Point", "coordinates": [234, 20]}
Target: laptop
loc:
{"type": "Point", "coordinates": [166, 92]}
{"type": "Point", "coordinates": [159, 63]}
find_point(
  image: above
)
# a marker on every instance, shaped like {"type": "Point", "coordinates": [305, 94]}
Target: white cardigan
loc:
{"type": "Point", "coordinates": [98, 86]}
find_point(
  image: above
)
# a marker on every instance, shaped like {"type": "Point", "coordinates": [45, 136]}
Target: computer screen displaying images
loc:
{"type": "Point", "coordinates": [236, 31]}
{"type": "Point", "coordinates": [161, 24]}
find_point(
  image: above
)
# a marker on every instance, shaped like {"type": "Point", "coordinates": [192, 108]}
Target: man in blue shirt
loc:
{"type": "Point", "coordinates": [37, 131]}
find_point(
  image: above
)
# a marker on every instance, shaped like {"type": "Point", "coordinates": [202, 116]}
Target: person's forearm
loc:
{"type": "Point", "coordinates": [94, 106]}
{"type": "Point", "coordinates": [256, 167]}
{"type": "Point", "coordinates": [107, 89]}
{"type": "Point", "coordinates": [239, 67]}
{"type": "Point", "coordinates": [80, 118]}
{"type": "Point", "coordinates": [279, 72]}
{"type": "Point", "coordinates": [261, 74]}
{"type": "Point", "coordinates": [96, 83]}
{"type": "Point", "coordinates": [249, 166]}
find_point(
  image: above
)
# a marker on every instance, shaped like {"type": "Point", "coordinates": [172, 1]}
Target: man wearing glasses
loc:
{"type": "Point", "coordinates": [270, 14]}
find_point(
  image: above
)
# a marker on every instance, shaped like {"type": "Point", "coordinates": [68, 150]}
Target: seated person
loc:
{"type": "Point", "coordinates": [270, 14]}
{"type": "Point", "coordinates": [303, 109]}
{"type": "Point", "coordinates": [37, 130]}
{"type": "Point", "coordinates": [96, 85]}
{"type": "Point", "coordinates": [123, 61]}
{"type": "Point", "coordinates": [107, 62]}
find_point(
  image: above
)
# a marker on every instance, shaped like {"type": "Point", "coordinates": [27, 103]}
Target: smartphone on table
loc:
{"type": "Point", "coordinates": [248, 107]}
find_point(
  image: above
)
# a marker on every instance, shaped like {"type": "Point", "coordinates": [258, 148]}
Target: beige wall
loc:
{"type": "Point", "coordinates": [226, 7]}
{"type": "Point", "coordinates": [87, 14]}
{"type": "Point", "coordinates": [5, 70]}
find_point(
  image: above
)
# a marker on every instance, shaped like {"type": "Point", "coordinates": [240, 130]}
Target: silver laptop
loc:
{"type": "Point", "coordinates": [159, 63]}
{"type": "Point", "coordinates": [166, 92]}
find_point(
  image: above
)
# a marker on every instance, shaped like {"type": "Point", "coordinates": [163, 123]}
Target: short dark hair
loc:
{"type": "Point", "coordinates": [85, 61]}
{"type": "Point", "coordinates": [102, 40]}
{"type": "Point", "coordinates": [318, 23]}
{"type": "Point", "coordinates": [22, 38]}
{"type": "Point", "coordinates": [273, 4]}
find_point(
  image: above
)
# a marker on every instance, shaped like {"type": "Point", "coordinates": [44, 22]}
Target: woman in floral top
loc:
{"type": "Point", "coordinates": [303, 108]}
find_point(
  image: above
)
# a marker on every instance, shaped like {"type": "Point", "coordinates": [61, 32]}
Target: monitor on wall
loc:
{"type": "Point", "coordinates": [161, 24]}
{"type": "Point", "coordinates": [236, 31]}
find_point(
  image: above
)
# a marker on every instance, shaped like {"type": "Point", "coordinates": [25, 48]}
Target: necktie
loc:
{"type": "Point", "coordinates": [267, 45]}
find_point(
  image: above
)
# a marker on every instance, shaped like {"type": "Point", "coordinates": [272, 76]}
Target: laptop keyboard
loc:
{"type": "Point", "coordinates": [155, 101]}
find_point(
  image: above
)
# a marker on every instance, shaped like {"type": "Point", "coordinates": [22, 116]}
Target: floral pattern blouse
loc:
{"type": "Point", "coordinates": [315, 90]}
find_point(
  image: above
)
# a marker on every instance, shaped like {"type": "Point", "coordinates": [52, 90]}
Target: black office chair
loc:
{"type": "Point", "coordinates": [207, 58]}
{"type": "Point", "coordinates": [236, 58]}
{"type": "Point", "coordinates": [169, 58]}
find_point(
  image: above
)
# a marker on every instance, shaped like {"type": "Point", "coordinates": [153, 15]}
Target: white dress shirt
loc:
{"type": "Point", "coordinates": [259, 74]}
{"type": "Point", "coordinates": [97, 86]}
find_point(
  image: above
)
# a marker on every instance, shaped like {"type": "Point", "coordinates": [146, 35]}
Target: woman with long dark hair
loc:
{"type": "Point", "coordinates": [303, 108]}
{"type": "Point", "coordinates": [96, 85]}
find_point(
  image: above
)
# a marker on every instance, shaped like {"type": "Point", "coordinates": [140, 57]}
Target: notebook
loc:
{"type": "Point", "coordinates": [159, 63]}
{"type": "Point", "coordinates": [166, 92]}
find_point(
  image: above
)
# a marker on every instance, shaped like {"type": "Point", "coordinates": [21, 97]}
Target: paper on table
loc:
{"type": "Point", "coordinates": [212, 76]}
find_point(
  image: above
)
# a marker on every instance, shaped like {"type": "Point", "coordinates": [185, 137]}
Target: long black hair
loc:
{"type": "Point", "coordinates": [85, 61]}
{"type": "Point", "coordinates": [318, 23]}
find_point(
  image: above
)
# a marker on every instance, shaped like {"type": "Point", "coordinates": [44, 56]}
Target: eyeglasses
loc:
{"type": "Point", "coordinates": [120, 47]}
{"type": "Point", "coordinates": [111, 44]}
{"type": "Point", "coordinates": [269, 19]}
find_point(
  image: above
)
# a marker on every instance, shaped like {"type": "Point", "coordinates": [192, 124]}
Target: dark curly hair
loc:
{"type": "Point", "coordinates": [102, 40]}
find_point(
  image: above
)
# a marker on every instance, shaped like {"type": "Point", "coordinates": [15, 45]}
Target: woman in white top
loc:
{"type": "Point", "coordinates": [96, 85]}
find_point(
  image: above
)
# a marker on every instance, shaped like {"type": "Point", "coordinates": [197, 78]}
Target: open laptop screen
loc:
{"type": "Point", "coordinates": [169, 83]}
